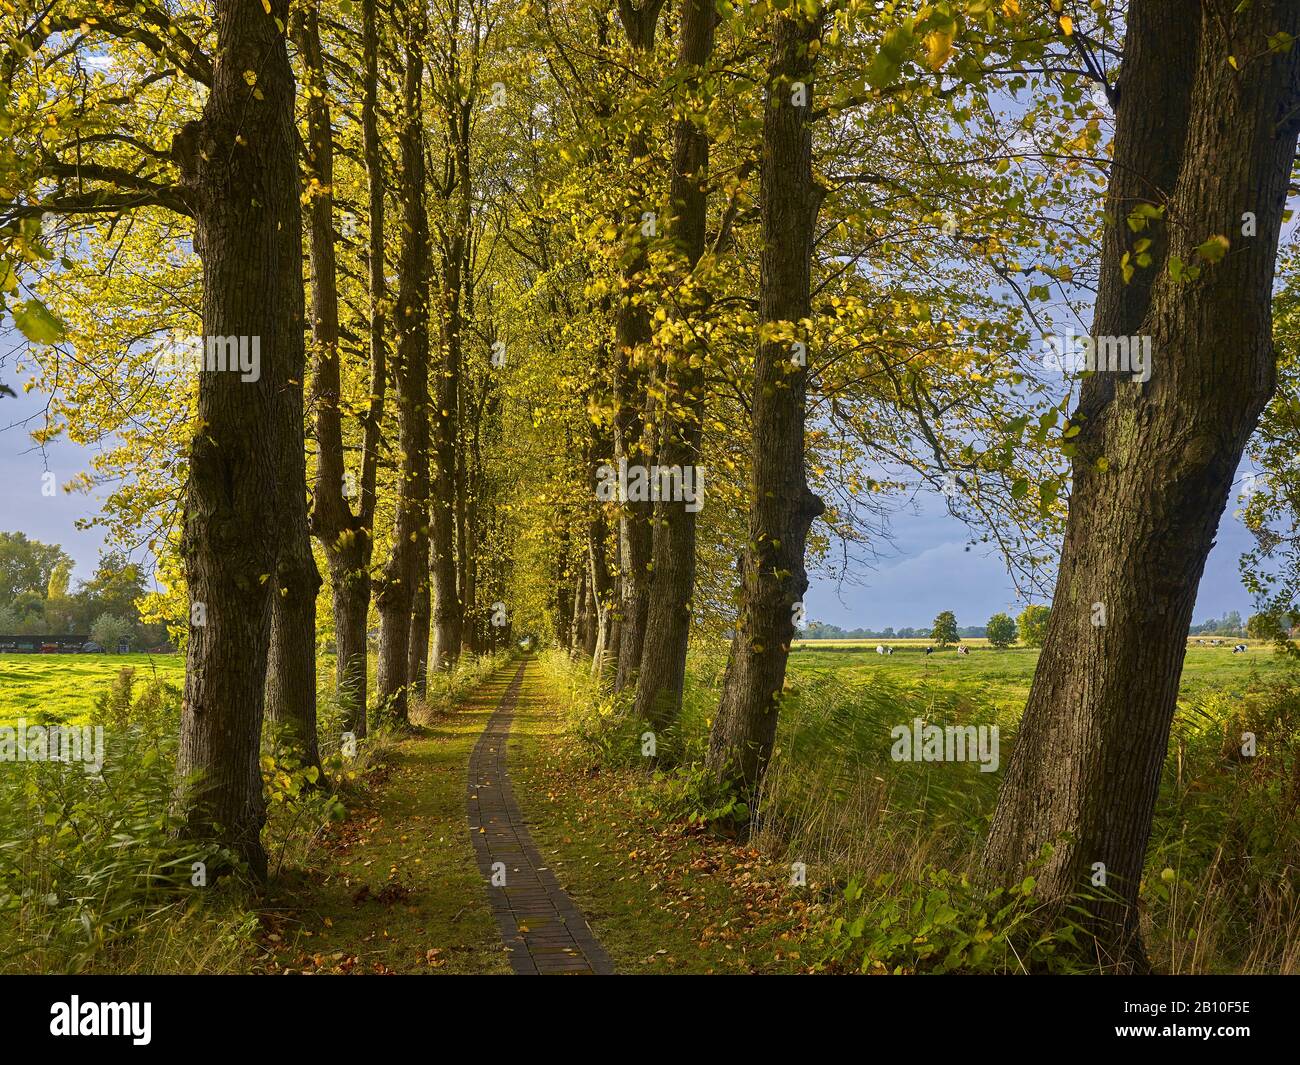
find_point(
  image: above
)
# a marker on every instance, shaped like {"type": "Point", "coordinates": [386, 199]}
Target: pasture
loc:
{"type": "Point", "coordinates": [65, 687]}
{"type": "Point", "coordinates": [1002, 677]}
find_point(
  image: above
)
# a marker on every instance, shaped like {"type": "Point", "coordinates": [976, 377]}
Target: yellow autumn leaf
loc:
{"type": "Point", "coordinates": [1067, 25]}
{"type": "Point", "coordinates": [938, 46]}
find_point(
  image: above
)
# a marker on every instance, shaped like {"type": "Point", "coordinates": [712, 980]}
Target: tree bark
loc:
{"type": "Point", "coordinates": [417, 651]}
{"type": "Point", "coordinates": [353, 542]}
{"type": "Point", "coordinates": [1208, 142]}
{"type": "Point", "coordinates": [632, 335]}
{"type": "Point", "coordinates": [781, 506]}
{"type": "Point", "coordinates": [239, 171]}
{"type": "Point", "coordinates": [407, 564]}
{"type": "Point", "coordinates": [672, 571]}
{"type": "Point", "coordinates": [291, 661]}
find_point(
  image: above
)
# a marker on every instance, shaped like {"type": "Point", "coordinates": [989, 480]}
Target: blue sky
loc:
{"type": "Point", "coordinates": [931, 570]}
{"type": "Point", "coordinates": [928, 568]}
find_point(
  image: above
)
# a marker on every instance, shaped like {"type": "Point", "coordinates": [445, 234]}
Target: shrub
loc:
{"type": "Point", "coordinates": [941, 923]}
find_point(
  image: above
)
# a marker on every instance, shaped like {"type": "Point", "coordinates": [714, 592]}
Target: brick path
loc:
{"type": "Point", "coordinates": [542, 928]}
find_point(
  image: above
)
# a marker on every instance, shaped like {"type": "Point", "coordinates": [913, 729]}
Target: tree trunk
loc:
{"type": "Point", "coordinates": [603, 589]}
{"type": "Point", "coordinates": [632, 335]}
{"type": "Point", "coordinates": [465, 545]}
{"type": "Point", "coordinates": [578, 635]}
{"type": "Point", "coordinates": [672, 572]}
{"type": "Point", "coordinates": [449, 611]}
{"type": "Point", "coordinates": [590, 622]}
{"type": "Point", "coordinates": [1208, 142]}
{"type": "Point", "coordinates": [291, 661]}
{"type": "Point", "coordinates": [353, 545]}
{"type": "Point", "coordinates": [417, 651]}
{"type": "Point", "coordinates": [407, 563]}
{"type": "Point", "coordinates": [239, 170]}
{"type": "Point", "coordinates": [781, 506]}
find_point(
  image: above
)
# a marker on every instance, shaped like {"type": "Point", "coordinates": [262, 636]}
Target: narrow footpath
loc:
{"type": "Point", "coordinates": [542, 929]}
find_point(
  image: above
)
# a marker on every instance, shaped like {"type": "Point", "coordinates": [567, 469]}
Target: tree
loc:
{"type": "Point", "coordinates": [1032, 624]}
{"type": "Point", "coordinates": [342, 516]}
{"type": "Point", "coordinates": [1153, 463]}
{"type": "Point", "coordinates": [1262, 626]}
{"type": "Point", "coordinates": [27, 565]}
{"type": "Point", "coordinates": [239, 172]}
{"type": "Point", "coordinates": [781, 505]}
{"type": "Point", "coordinates": [57, 587]}
{"type": "Point", "coordinates": [944, 630]}
{"type": "Point", "coordinates": [681, 381]}
{"type": "Point", "coordinates": [1001, 630]}
{"type": "Point", "coordinates": [116, 587]}
{"type": "Point", "coordinates": [632, 336]}
{"type": "Point", "coordinates": [408, 559]}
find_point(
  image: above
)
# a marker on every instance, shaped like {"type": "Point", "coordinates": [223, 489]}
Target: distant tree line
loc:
{"type": "Point", "coordinates": [1228, 625]}
{"type": "Point", "coordinates": [1031, 621]}
{"type": "Point", "coordinates": [820, 630]}
{"type": "Point", "coordinates": [36, 598]}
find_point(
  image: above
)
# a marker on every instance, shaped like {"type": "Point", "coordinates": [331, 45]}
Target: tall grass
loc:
{"type": "Point", "coordinates": [893, 846]}
{"type": "Point", "coordinates": [447, 689]}
{"type": "Point", "coordinates": [93, 876]}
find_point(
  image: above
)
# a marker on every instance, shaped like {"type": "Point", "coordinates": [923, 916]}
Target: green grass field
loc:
{"type": "Point", "coordinates": [1002, 678]}
{"type": "Point", "coordinates": [65, 687]}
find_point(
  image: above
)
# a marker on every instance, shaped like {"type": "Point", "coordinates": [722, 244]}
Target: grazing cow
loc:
{"type": "Point", "coordinates": [1240, 649]}
{"type": "Point", "coordinates": [963, 650]}
{"type": "Point", "coordinates": [929, 650]}
{"type": "Point", "coordinates": [880, 648]}
{"type": "Point", "coordinates": [888, 650]}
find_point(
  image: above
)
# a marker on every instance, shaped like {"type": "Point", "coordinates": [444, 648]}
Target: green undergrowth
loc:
{"type": "Point", "coordinates": [93, 876]}
{"type": "Point", "coordinates": [890, 849]}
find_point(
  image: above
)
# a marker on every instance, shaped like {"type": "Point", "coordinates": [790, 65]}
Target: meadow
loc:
{"type": "Point", "coordinates": [65, 687]}
{"type": "Point", "coordinates": [1003, 677]}
{"type": "Point", "coordinates": [884, 842]}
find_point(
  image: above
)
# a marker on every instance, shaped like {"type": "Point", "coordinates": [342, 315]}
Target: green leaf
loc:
{"type": "Point", "coordinates": [1213, 249]}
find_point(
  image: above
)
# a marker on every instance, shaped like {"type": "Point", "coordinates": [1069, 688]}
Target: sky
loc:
{"type": "Point", "coordinates": [930, 570]}
{"type": "Point", "coordinates": [927, 569]}
{"type": "Point", "coordinates": [23, 505]}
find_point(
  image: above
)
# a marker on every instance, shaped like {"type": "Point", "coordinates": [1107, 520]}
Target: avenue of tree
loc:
{"type": "Point", "coordinates": [806, 250]}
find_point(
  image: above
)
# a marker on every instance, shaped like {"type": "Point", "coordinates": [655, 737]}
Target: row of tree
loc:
{"type": "Point", "coordinates": [494, 254]}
